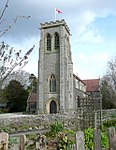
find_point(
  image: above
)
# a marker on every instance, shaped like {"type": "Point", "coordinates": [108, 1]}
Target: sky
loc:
{"type": "Point", "coordinates": [92, 26]}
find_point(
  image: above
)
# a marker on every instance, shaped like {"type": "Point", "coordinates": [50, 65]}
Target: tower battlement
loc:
{"type": "Point", "coordinates": [55, 24]}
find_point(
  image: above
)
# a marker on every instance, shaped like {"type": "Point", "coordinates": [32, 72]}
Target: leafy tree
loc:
{"type": "Point", "coordinates": [15, 96]}
{"type": "Point", "coordinates": [108, 85]}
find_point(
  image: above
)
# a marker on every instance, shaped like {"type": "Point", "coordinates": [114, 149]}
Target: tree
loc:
{"type": "Point", "coordinates": [10, 58]}
{"type": "Point", "coordinates": [2, 19]}
{"type": "Point", "coordinates": [15, 96]}
{"type": "Point", "coordinates": [108, 85]}
{"type": "Point", "coordinates": [20, 76]}
{"type": "Point", "coordinates": [111, 73]}
{"type": "Point", "coordinates": [107, 97]}
{"type": "Point", "coordinates": [32, 83]}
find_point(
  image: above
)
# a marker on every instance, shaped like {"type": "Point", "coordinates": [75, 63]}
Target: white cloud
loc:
{"type": "Point", "coordinates": [91, 36]}
{"type": "Point", "coordinates": [32, 67]}
{"type": "Point", "coordinates": [90, 65]}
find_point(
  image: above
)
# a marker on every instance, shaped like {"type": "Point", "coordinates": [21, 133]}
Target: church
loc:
{"type": "Point", "coordinates": [59, 89]}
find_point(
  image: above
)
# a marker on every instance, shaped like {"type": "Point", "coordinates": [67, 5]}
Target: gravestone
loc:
{"type": "Point", "coordinates": [97, 139]}
{"type": "Point", "coordinates": [22, 142]}
{"type": "Point", "coordinates": [112, 138]}
{"type": "Point", "coordinates": [80, 141]}
{"type": "Point", "coordinates": [4, 141]}
{"type": "Point", "coordinates": [114, 142]}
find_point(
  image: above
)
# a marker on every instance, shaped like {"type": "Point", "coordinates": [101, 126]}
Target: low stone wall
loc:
{"type": "Point", "coordinates": [34, 121]}
{"type": "Point", "coordinates": [108, 114]}
{"type": "Point", "coordinates": [15, 120]}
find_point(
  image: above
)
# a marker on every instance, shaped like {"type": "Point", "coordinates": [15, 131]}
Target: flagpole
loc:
{"type": "Point", "coordinates": [57, 11]}
{"type": "Point", "coordinates": [55, 14]}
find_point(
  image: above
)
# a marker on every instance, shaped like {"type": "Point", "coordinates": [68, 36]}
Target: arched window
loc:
{"type": "Point", "coordinates": [48, 42]}
{"type": "Point", "coordinates": [57, 42]}
{"type": "Point", "coordinates": [52, 83]}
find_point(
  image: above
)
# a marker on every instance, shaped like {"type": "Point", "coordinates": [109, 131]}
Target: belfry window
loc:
{"type": "Point", "coordinates": [57, 42]}
{"type": "Point", "coordinates": [48, 42]}
{"type": "Point", "coordinates": [52, 83]}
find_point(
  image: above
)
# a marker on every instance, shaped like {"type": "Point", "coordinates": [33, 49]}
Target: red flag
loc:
{"type": "Point", "coordinates": [58, 11]}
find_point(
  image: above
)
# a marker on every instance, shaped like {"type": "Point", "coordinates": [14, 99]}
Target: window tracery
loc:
{"type": "Point", "coordinates": [48, 42]}
{"type": "Point", "coordinates": [57, 41]}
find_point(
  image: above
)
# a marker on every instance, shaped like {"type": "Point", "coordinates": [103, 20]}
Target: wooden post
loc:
{"type": "Point", "coordinates": [22, 142]}
{"type": "Point", "coordinates": [112, 138]}
{"type": "Point", "coordinates": [4, 141]}
{"type": "Point", "coordinates": [97, 139]}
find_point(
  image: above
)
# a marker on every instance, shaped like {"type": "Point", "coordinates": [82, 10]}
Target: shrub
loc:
{"type": "Point", "coordinates": [88, 138]}
{"type": "Point", "coordinates": [109, 123]}
{"type": "Point", "coordinates": [56, 127]}
{"type": "Point", "coordinates": [104, 140]}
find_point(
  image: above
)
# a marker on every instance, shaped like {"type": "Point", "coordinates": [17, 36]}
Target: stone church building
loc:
{"type": "Point", "coordinates": [59, 89]}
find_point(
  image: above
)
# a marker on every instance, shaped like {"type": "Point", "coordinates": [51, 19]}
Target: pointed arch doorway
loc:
{"type": "Point", "coordinates": [53, 107]}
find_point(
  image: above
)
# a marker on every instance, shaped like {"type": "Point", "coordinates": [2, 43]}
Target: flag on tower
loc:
{"type": "Point", "coordinates": [58, 11]}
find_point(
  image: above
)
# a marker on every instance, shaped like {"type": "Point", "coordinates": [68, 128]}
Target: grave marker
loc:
{"type": "Point", "coordinates": [4, 141]}
{"type": "Point", "coordinates": [22, 142]}
{"type": "Point", "coordinates": [97, 139]}
{"type": "Point", "coordinates": [112, 138]}
{"type": "Point", "coordinates": [80, 141]}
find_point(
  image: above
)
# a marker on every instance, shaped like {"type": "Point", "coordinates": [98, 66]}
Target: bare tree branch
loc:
{"type": "Point", "coordinates": [14, 22]}
{"type": "Point", "coordinates": [8, 65]}
{"type": "Point", "coordinates": [11, 59]}
{"type": "Point", "coordinates": [4, 9]}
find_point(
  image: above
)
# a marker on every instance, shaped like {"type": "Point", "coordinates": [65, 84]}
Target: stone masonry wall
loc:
{"type": "Point", "coordinates": [43, 121]}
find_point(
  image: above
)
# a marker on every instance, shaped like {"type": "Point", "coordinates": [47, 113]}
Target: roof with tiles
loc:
{"type": "Point", "coordinates": [92, 85]}
{"type": "Point", "coordinates": [32, 98]}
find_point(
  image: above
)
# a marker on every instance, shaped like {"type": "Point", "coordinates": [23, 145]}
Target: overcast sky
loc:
{"type": "Point", "coordinates": [92, 25]}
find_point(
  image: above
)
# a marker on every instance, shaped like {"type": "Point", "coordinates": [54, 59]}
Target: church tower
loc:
{"type": "Point", "coordinates": [55, 69]}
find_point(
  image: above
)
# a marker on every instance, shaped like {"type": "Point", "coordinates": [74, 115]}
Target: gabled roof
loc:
{"type": "Point", "coordinates": [32, 98]}
{"type": "Point", "coordinates": [92, 85]}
